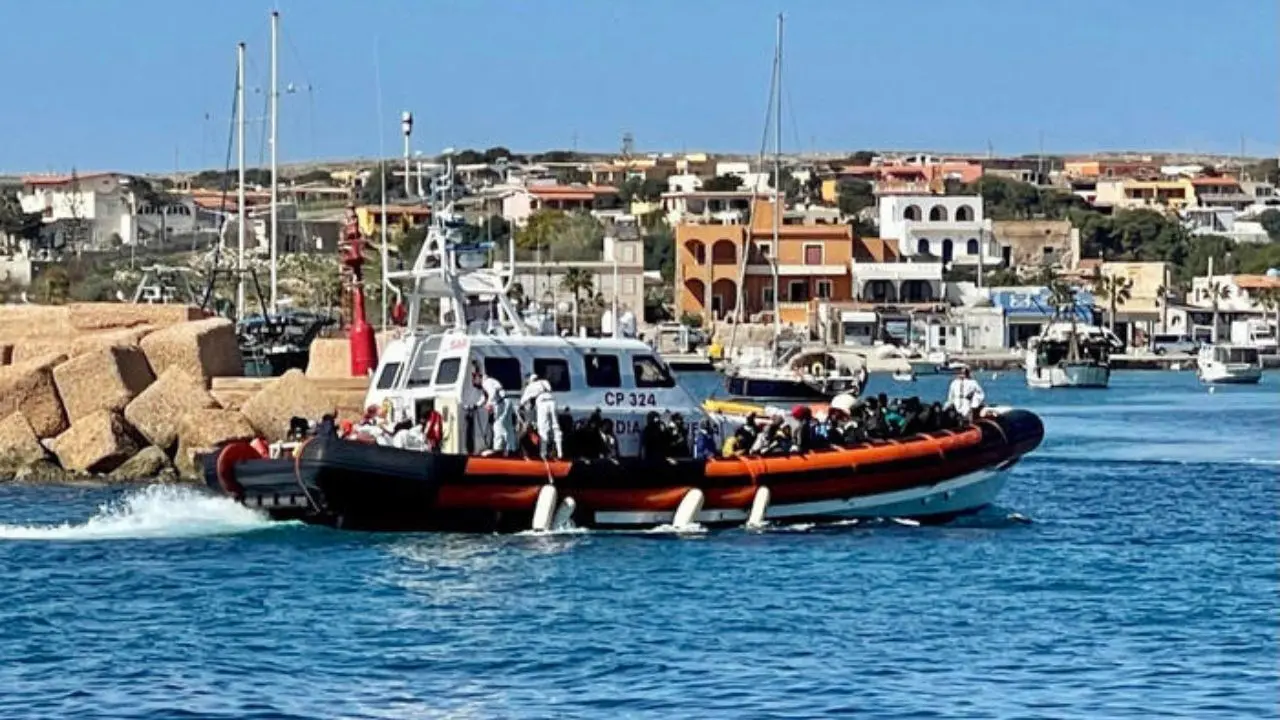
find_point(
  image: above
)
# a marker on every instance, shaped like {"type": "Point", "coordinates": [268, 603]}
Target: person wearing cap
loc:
{"type": "Point", "coordinates": [965, 396]}
{"type": "Point", "coordinates": [538, 393]}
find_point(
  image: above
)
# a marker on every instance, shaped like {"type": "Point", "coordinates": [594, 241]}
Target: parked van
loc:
{"type": "Point", "coordinates": [1163, 344]}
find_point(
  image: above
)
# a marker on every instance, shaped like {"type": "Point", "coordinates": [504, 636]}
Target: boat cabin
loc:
{"type": "Point", "coordinates": [623, 378]}
{"type": "Point", "coordinates": [1231, 355]}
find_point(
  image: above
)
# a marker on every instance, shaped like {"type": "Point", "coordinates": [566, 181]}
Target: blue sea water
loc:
{"type": "Point", "coordinates": [1147, 585]}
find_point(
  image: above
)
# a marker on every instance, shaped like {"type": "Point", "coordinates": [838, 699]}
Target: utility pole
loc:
{"type": "Point", "coordinates": [240, 214]}
{"type": "Point", "coordinates": [275, 207]}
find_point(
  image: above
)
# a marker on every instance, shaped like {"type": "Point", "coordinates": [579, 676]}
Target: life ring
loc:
{"type": "Point", "coordinates": [818, 370]}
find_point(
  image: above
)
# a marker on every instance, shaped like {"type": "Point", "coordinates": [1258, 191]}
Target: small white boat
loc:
{"type": "Point", "coordinates": [1229, 364]}
{"type": "Point", "coordinates": [908, 376]}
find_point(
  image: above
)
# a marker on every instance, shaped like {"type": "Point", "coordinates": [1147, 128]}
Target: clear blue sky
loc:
{"type": "Point", "coordinates": [123, 84]}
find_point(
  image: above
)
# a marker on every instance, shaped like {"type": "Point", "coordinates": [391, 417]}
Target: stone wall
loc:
{"type": "Point", "coordinates": [85, 389]}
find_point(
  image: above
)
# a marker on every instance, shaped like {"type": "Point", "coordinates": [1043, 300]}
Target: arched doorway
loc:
{"type": "Point", "coordinates": [912, 212]}
{"type": "Point", "coordinates": [696, 296]}
{"type": "Point", "coordinates": [724, 297]}
{"type": "Point", "coordinates": [917, 291]}
{"type": "Point", "coordinates": [938, 213]}
{"type": "Point", "coordinates": [948, 250]}
{"type": "Point", "coordinates": [697, 250]}
{"type": "Point", "coordinates": [922, 246]}
{"type": "Point", "coordinates": [879, 291]}
{"type": "Point", "coordinates": [724, 252]}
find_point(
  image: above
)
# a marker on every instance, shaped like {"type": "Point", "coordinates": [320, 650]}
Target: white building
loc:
{"type": "Point", "coordinates": [1238, 294]}
{"type": "Point", "coordinates": [542, 283]}
{"type": "Point", "coordinates": [110, 211]}
{"type": "Point", "coordinates": [708, 207]}
{"type": "Point", "coordinates": [1224, 221]}
{"type": "Point", "coordinates": [950, 227]}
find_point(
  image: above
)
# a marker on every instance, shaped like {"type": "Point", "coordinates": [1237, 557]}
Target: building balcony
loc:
{"type": "Point", "coordinates": [785, 270]}
{"type": "Point", "coordinates": [896, 272]}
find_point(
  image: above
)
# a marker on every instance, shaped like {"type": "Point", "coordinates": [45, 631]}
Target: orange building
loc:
{"type": "Point", "coordinates": [812, 263]}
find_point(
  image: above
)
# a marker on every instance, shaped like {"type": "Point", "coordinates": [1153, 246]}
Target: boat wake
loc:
{"type": "Point", "coordinates": [156, 511]}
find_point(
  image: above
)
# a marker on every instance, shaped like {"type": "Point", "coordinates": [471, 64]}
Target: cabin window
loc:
{"type": "Point", "coordinates": [447, 373]}
{"type": "Point", "coordinates": [505, 370]}
{"type": "Point", "coordinates": [388, 377]}
{"type": "Point", "coordinates": [555, 372]}
{"type": "Point", "coordinates": [603, 371]}
{"type": "Point", "coordinates": [650, 373]}
{"type": "Point", "coordinates": [424, 362]}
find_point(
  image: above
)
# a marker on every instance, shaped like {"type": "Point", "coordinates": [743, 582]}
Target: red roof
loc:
{"type": "Point", "coordinates": [1215, 181]}
{"type": "Point", "coordinates": [1256, 282]}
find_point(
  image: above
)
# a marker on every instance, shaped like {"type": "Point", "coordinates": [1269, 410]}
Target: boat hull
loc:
{"type": "Point", "coordinates": [930, 477]}
{"type": "Point", "coordinates": [1217, 374]}
{"type": "Point", "coordinates": [1083, 375]}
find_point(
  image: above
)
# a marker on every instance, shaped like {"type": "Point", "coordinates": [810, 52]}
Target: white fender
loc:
{"type": "Point", "coordinates": [564, 514]}
{"type": "Point", "coordinates": [545, 506]}
{"type": "Point", "coordinates": [690, 506]}
{"type": "Point", "coordinates": [759, 506]}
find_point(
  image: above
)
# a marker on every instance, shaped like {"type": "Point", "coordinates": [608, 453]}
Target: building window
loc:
{"type": "Point", "coordinates": [798, 291]}
{"type": "Point", "coordinates": [911, 212]}
{"type": "Point", "coordinates": [764, 251]}
{"type": "Point", "coordinates": [938, 213]}
{"type": "Point", "coordinates": [603, 371]}
{"type": "Point", "coordinates": [813, 254]}
{"type": "Point", "coordinates": [766, 297]}
{"type": "Point", "coordinates": [964, 213]}
{"type": "Point", "coordinates": [948, 250]}
{"type": "Point", "coordinates": [971, 247]}
{"type": "Point", "coordinates": [824, 289]}
{"type": "Point", "coordinates": [922, 246]}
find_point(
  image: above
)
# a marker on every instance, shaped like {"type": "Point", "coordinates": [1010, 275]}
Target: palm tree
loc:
{"type": "Point", "coordinates": [1216, 291]}
{"type": "Point", "coordinates": [1269, 299]}
{"type": "Point", "coordinates": [576, 281]}
{"type": "Point", "coordinates": [1116, 290]}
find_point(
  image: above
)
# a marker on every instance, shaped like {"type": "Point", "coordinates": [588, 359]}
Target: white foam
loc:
{"type": "Point", "coordinates": [155, 511]}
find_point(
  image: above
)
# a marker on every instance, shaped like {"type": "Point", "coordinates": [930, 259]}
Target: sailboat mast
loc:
{"type": "Point", "coordinates": [275, 210]}
{"type": "Point", "coordinates": [777, 179]}
{"type": "Point", "coordinates": [240, 214]}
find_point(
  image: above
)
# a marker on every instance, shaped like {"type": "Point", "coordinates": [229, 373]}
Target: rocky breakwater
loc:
{"type": "Point", "coordinates": [136, 392]}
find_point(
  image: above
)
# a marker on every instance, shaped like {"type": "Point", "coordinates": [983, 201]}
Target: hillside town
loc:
{"type": "Point", "coordinates": [918, 249]}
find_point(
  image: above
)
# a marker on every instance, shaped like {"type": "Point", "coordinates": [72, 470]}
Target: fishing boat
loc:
{"type": "Point", "coordinates": [1229, 365]}
{"type": "Point", "coordinates": [1069, 355]}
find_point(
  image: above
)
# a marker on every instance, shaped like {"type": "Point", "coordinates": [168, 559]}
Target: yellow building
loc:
{"type": "Point", "coordinates": [1140, 314]}
{"type": "Point", "coordinates": [1129, 194]}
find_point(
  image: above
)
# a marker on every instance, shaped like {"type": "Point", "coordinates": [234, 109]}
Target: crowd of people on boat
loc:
{"type": "Point", "coordinates": [535, 427]}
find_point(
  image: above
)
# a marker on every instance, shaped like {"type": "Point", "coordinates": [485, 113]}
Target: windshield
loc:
{"type": "Point", "coordinates": [1247, 356]}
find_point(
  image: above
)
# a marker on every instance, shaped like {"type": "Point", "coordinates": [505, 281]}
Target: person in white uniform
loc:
{"type": "Point", "coordinates": [966, 395]}
{"type": "Point", "coordinates": [538, 392]}
{"type": "Point", "coordinates": [504, 415]}
{"type": "Point", "coordinates": [477, 414]}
